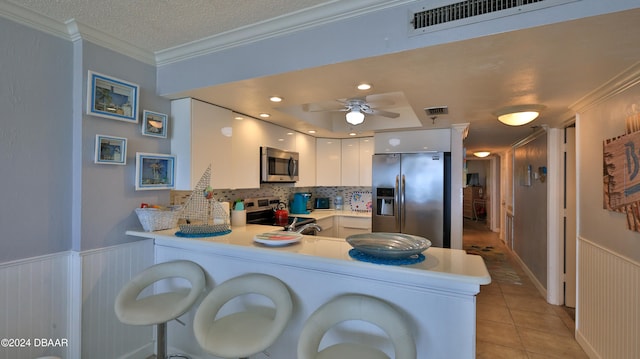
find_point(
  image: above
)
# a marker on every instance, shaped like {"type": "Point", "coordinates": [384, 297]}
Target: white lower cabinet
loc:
{"type": "Point", "coordinates": [328, 226]}
{"type": "Point", "coordinates": [353, 225]}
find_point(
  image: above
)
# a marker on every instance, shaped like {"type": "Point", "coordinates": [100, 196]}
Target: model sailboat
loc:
{"type": "Point", "coordinates": [204, 215]}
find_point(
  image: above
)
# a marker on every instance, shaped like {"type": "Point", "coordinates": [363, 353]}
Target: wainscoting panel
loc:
{"type": "Point", "coordinates": [104, 272]}
{"type": "Point", "coordinates": [608, 321]}
{"type": "Point", "coordinates": [34, 307]}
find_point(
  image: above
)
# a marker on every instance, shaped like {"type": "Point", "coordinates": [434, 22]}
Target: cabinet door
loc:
{"type": "Point", "coordinates": [245, 154]}
{"type": "Point", "coordinates": [306, 147]}
{"type": "Point", "coordinates": [200, 137]}
{"type": "Point", "coordinates": [328, 162]}
{"type": "Point", "coordinates": [353, 225]}
{"type": "Point", "coordinates": [366, 153]}
{"type": "Point", "coordinates": [210, 143]}
{"type": "Point", "coordinates": [350, 173]}
{"type": "Point", "coordinates": [328, 227]}
{"type": "Point", "coordinates": [278, 137]}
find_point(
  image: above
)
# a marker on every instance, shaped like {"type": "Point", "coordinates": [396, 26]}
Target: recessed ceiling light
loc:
{"type": "Point", "coordinates": [275, 99]}
{"type": "Point", "coordinates": [364, 86]}
{"type": "Point", "coordinates": [312, 131]}
{"type": "Point", "coordinates": [289, 133]}
{"type": "Point", "coordinates": [265, 115]}
{"type": "Point", "coordinates": [352, 134]}
{"type": "Point", "coordinates": [239, 118]}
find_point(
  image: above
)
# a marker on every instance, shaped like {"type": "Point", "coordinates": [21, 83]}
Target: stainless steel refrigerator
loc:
{"type": "Point", "coordinates": [411, 194]}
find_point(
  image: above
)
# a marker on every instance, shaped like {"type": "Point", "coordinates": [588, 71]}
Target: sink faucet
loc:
{"type": "Point", "coordinates": [292, 226]}
{"type": "Point", "coordinates": [307, 226]}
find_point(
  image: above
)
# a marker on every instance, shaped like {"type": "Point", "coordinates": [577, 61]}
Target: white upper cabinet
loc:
{"type": "Point", "coordinates": [328, 161]}
{"type": "Point", "coordinates": [366, 160]}
{"type": "Point", "coordinates": [278, 137]}
{"type": "Point", "coordinates": [356, 161]}
{"type": "Point", "coordinates": [201, 136]}
{"type": "Point", "coordinates": [350, 162]}
{"type": "Point", "coordinates": [204, 134]}
{"type": "Point", "coordinates": [306, 147]}
{"type": "Point", "coordinates": [248, 136]}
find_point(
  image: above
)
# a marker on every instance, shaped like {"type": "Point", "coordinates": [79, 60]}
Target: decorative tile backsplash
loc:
{"type": "Point", "coordinates": [285, 193]}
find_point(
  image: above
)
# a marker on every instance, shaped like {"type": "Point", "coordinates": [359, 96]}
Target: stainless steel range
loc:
{"type": "Point", "coordinates": [262, 211]}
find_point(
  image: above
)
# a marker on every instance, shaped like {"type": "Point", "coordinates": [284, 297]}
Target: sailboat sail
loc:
{"type": "Point", "coordinates": [203, 214]}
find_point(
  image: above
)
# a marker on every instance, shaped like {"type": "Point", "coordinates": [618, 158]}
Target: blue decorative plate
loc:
{"type": "Point", "coordinates": [356, 254]}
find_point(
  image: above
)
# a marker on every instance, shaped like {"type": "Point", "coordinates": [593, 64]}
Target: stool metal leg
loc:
{"type": "Point", "coordinates": [161, 346]}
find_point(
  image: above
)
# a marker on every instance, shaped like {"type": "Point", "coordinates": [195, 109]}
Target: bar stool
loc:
{"type": "Point", "coordinates": [355, 307]}
{"type": "Point", "coordinates": [160, 308]}
{"type": "Point", "coordinates": [243, 333]}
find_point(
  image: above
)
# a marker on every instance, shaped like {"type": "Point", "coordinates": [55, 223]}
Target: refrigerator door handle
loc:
{"type": "Point", "coordinates": [404, 209]}
{"type": "Point", "coordinates": [397, 204]}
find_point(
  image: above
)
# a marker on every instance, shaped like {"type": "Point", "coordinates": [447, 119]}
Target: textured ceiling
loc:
{"type": "Point", "coordinates": [156, 25]}
{"type": "Point", "coordinates": [556, 65]}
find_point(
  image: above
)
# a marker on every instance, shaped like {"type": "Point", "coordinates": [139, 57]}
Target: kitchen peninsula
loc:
{"type": "Point", "coordinates": [436, 296]}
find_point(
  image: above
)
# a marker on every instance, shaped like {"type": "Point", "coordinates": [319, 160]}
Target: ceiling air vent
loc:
{"type": "Point", "coordinates": [436, 111]}
{"type": "Point", "coordinates": [424, 18]}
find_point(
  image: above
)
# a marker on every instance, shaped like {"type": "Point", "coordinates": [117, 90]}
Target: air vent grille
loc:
{"type": "Point", "coordinates": [463, 10]}
{"type": "Point", "coordinates": [437, 111]}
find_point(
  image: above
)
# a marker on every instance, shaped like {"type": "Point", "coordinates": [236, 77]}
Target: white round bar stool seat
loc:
{"type": "Point", "coordinates": [355, 307]}
{"type": "Point", "coordinates": [244, 333]}
{"type": "Point", "coordinates": [159, 308]}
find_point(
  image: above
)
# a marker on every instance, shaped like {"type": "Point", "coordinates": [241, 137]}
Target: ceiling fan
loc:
{"type": "Point", "coordinates": [357, 108]}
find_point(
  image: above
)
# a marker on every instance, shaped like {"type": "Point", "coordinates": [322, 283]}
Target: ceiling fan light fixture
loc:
{"type": "Point", "coordinates": [482, 154]}
{"type": "Point", "coordinates": [519, 115]}
{"type": "Point", "coordinates": [355, 117]}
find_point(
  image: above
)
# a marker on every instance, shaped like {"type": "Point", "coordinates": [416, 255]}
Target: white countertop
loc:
{"type": "Point", "coordinates": [446, 266]}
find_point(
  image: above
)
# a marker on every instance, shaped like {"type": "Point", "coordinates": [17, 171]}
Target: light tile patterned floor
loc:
{"type": "Point", "coordinates": [513, 319]}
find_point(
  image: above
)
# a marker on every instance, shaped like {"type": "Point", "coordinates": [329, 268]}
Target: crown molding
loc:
{"type": "Point", "coordinates": [623, 81]}
{"type": "Point", "coordinates": [72, 31]}
{"type": "Point", "coordinates": [77, 31]}
{"type": "Point", "coordinates": [282, 25]}
{"type": "Point", "coordinates": [33, 20]}
{"type": "Point", "coordinates": [278, 26]}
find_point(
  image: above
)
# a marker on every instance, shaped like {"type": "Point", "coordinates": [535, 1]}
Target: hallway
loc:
{"type": "Point", "coordinates": [513, 319]}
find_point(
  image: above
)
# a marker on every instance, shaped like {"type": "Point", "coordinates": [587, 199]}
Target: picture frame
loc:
{"type": "Point", "coordinates": [154, 124]}
{"type": "Point", "coordinates": [155, 171]}
{"type": "Point", "coordinates": [110, 150]}
{"type": "Point", "coordinates": [112, 98]}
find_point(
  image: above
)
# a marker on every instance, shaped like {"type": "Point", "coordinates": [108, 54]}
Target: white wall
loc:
{"type": "Point", "coordinates": [530, 207]}
{"type": "Point", "coordinates": [607, 313]}
{"type": "Point", "coordinates": [35, 142]}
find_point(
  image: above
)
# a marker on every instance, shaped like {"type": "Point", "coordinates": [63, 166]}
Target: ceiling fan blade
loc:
{"type": "Point", "coordinates": [384, 113]}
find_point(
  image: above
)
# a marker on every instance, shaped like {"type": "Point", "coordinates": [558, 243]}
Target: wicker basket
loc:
{"type": "Point", "coordinates": [154, 219]}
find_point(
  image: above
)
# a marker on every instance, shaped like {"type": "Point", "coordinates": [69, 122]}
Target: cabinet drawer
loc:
{"type": "Point", "coordinates": [355, 223]}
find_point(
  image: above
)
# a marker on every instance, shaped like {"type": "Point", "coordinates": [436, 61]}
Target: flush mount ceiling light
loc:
{"type": "Point", "coordinates": [519, 115]}
{"type": "Point", "coordinates": [355, 117]}
{"type": "Point", "coordinates": [275, 99]}
{"type": "Point", "coordinates": [364, 86]}
{"type": "Point", "coordinates": [482, 154]}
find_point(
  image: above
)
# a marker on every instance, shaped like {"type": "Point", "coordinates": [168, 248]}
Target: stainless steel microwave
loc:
{"type": "Point", "coordinates": [278, 165]}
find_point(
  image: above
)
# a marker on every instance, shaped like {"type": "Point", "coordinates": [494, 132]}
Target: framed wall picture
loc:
{"type": "Point", "coordinates": [112, 98]}
{"type": "Point", "coordinates": [110, 150]}
{"type": "Point", "coordinates": [154, 124]}
{"type": "Point", "coordinates": [155, 171]}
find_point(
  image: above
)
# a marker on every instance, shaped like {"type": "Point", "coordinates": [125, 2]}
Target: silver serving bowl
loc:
{"type": "Point", "coordinates": [389, 245]}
